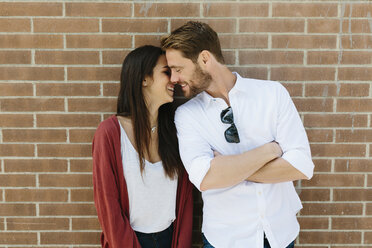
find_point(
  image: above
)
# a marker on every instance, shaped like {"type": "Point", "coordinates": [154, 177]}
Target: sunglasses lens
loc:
{"type": "Point", "coordinates": [227, 116]}
{"type": "Point", "coordinates": [231, 134]}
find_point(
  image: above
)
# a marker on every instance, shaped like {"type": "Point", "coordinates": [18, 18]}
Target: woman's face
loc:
{"type": "Point", "coordinates": [158, 89]}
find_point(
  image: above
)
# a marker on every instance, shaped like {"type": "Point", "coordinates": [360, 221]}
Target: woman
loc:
{"type": "Point", "coordinates": [142, 194]}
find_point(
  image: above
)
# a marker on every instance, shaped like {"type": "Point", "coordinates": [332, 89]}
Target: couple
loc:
{"type": "Point", "coordinates": [240, 140]}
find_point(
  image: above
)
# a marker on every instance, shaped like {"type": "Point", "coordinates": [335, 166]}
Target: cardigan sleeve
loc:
{"type": "Point", "coordinates": [184, 214]}
{"type": "Point", "coordinates": [116, 228]}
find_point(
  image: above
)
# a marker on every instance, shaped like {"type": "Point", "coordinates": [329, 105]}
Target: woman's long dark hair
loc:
{"type": "Point", "coordinates": [138, 64]}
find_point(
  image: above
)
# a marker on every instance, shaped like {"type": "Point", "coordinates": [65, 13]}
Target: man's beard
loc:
{"type": "Point", "coordinates": [204, 79]}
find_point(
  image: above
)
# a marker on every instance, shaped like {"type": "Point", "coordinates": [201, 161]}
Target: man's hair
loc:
{"type": "Point", "coordinates": [191, 39]}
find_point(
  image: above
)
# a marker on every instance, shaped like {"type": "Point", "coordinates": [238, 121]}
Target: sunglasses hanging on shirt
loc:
{"type": "Point", "coordinates": [231, 133]}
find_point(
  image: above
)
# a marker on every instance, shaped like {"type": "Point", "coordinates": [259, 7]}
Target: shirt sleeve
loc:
{"type": "Point", "coordinates": [196, 154]}
{"type": "Point", "coordinates": [291, 135]}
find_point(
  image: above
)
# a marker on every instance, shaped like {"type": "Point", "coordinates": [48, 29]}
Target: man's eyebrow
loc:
{"type": "Point", "coordinates": [174, 66]}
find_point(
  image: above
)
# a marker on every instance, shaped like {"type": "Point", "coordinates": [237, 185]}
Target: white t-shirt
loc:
{"type": "Point", "coordinates": [238, 216]}
{"type": "Point", "coordinates": [152, 195]}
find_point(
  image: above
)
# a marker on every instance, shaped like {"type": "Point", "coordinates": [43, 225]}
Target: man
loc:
{"type": "Point", "coordinates": [242, 143]}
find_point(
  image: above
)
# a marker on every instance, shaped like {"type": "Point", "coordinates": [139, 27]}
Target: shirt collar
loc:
{"type": "Point", "coordinates": [239, 86]}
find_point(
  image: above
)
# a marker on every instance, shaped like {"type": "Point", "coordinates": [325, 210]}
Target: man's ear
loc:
{"type": "Point", "coordinates": [204, 58]}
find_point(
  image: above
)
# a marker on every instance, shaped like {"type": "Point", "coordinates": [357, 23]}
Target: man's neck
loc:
{"type": "Point", "coordinates": [223, 81]}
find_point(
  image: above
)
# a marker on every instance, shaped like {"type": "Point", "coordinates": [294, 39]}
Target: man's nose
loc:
{"type": "Point", "coordinates": [174, 77]}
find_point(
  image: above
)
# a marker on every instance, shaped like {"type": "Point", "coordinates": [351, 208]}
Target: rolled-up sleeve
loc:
{"type": "Point", "coordinates": [196, 154]}
{"type": "Point", "coordinates": [291, 135]}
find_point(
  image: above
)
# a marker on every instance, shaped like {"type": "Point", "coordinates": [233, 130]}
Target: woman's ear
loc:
{"type": "Point", "coordinates": [144, 83]}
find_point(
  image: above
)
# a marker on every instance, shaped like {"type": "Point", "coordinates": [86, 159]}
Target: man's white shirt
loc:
{"type": "Point", "coordinates": [238, 216]}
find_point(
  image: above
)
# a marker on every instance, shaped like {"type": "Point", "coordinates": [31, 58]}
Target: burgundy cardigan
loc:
{"type": "Point", "coordinates": [111, 195]}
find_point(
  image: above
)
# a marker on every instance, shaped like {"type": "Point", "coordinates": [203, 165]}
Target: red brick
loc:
{"type": "Point", "coordinates": [21, 209]}
{"type": "Point", "coordinates": [353, 165]}
{"type": "Point", "coordinates": [335, 180]}
{"type": "Point", "coordinates": [85, 224]}
{"type": "Point", "coordinates": [314, 194]}
{"type": "Point", "coordinates": [141, 40]}
{"type": "Point", "coordinates": [69, 89]}
{"type": "Point", "coordinates": [323, 57]}
{"type": "Point", "coordinates": [70, 238]}
{"type": "Point", "coordinates": [30, 9]}
{"type": "Point", "coordinates": [323, 26]}
{"type": "Point", "coordinates": [66, 57]}
{"type": "Point", "coordinates": [64, 150]}
{"type": "Point", "coordinates": [66, 25]}
{"type": "Point", "coordinates": [251, 72]}
{"type": "Point", "coordinates": [369, 208]}
{"type": "Point", "coordinates": [166, 9]}
{"type": "Point", "coordinates": [271, 25]}
{"type": "Point", "coordinates": [114, 57]}
{"type": "Point", "coordinates": [317, 105]}
{"type": "Point", "coordinates": [294, 89]}
{"type": "Point", "coordinates": [17, 180]}
{"type": "Point", "coordinates": [18, 238]}
{"type": "Point", "coordinates": [135, 25]}
{"type": "Point", "coordinates": [16, 120]}
{"type": "Point", "coordinates": [82, 195]}
{"type": "Point", "coordinates": [320, 135]}
{"type": "Point", "coordinates": [15, 25]}
{"type": "Point", "coordinates": [32, 104]}
{"type": "Point", "coordinates": [16, 89]}
{"type": "Point", "coordinates": [305, 9]}
{"type": "Point", "coordinates": [338, 150]}
{"type": "Point", "coordinates": [356, 42]}
{"type": "Point", "coordinates": [16, 150]}
{"type": "Point", "coordinates": [36, 195]}
{"type": "Point", "coordinates": [34, 135]}
{"type": "Point", "coordinates": [31, 73]}
{"type": "Point", "coordinates": [354, 105]}
{"type": "Point", "coordinates": [324, 90]}
{"type": "Point", "coordinates": [355, 74]}
{"type": "Point", "coordinates": [303, 74]}
{"type": "Point", "coordinates": [330, 237]}
{"type": "Point", "coordinates": [360, 195]}
{"type": "Point", "coordinates": [335, 120]}
{"type": "Point", "coordinates": [229, 57]}
{"type": "Point", "coordinates": [304, 41]}
{"type": "Point", "coordinates": [31, 41]}
{"type": "Point", "coordinates": [92, 105]}
{"type": "Point", "coordinates": [332, 209]}
{"type": "Point", "coordinates": [94, 73]}
{"type": "Point", "coordinates": [322, 165]}
{"type": "Point", "coordinates": [235, 9]}
{"type": "Point", "coordinates": [15, 57]}
{"type": "Point", "coordinates": [99, 9]}
{"type": "Point", "coordinates": [313, 223]}
{"type": "Point", "coordinates": [67, 120]}
{"type": "Point", "coordinates": [81, 135]}
{"type": "Point", "coordinates": [2, 223]}
{"type": "Point", "coordinates": [67, 209]}
{"type": "Point", "coordinates": [354, 89]}
{"type": "Point", "coordinates": [356, 26]}
{"type": "Point", "coordinates": [243, 41]}
{"type": "Point", "coordinates": [81, 165]}
{"type": "Point", "coordinates": [65, 180]}
{"type": "Point", "coordinates": [218, 25]}
{"type": "Point", "coordinates": [367, 238]}
{"type": "Point", "coordinates": [35, 165]}
{"type": "Point", "coordinates": [37, 224]}
{"type": "Point", "coordinates": [358, 135]}
{"type": "Point", "coordinates": [357, 9]}
{"type": "Point", "coordinates": [270, 57]}
{"type": "Point", "coordinates": [98, 41]}
{"type": "Point", "coordinates": [111, 89]}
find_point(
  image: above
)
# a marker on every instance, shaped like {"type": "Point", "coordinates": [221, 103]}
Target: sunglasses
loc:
{"type": "Point", "coordinates": [231, 134]}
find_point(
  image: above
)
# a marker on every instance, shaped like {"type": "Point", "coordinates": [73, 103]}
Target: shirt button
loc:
{"type": "Point", "coordinates": [259, 193]}
{"type": "Point", "coordinates": [262, 216]}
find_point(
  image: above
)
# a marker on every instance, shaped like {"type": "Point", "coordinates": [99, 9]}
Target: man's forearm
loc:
{"type": "Point", "coordinates": [276, 171]}
{"type": "Point", "coordinates": [229, 170]}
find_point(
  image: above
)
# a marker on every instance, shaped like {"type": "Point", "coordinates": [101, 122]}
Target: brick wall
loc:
{"type": "Point", "coordinates": [60, 64]}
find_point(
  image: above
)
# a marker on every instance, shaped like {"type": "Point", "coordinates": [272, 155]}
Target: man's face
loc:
{"type": "Point", "coordinates": [189, 75]}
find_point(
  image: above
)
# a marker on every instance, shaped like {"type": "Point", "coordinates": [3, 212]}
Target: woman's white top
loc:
{"type": "Point", "coordinates": [152, 195]}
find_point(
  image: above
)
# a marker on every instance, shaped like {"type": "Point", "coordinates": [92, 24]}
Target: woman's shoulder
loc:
{"type": "Point", "coordinates": [109, 126]}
